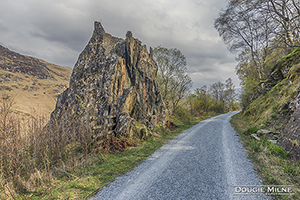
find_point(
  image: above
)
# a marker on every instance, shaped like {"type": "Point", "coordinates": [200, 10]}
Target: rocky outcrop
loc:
{"type": "Point", "coordinates": [281, 70]}
{"type": "Point", "coordinates": [291, 130]}
{"type": "Point", "coordinates": [112, 88]}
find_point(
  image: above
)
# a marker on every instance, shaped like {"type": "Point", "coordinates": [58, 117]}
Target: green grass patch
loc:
{"type": "Point", "coordinates": [251, 130]}
{"type": "Point", "coordinates": [278, 151]}
{"type": "Point", "coordinates": [275, 108]}
{"type": "Point", "coordinates": [274, 115]}
{"type": "Point", "coordinates": [278, 127]}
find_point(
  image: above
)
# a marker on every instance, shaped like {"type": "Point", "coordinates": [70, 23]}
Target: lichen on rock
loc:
{"type": "Point", "coordinates": [113, 86]}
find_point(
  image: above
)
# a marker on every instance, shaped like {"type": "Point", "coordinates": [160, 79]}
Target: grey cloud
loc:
{"type": "Point", "coordinates": [3, 28]}
{"type": "Point", "coordinates": [73, 40]}
{"type": "Point", "coordinates": [57, 31]}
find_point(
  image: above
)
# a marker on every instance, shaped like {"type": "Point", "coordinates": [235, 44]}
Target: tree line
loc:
{"type": "Point", "coordinates": [260, 32]}
{"type": "Point", "coordinates": [175, 85]}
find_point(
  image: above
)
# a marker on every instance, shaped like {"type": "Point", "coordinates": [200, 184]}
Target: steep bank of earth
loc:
{"type": "Point", "coordinates": [277, 110]}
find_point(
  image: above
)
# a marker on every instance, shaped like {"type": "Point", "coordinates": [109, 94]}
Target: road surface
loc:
{"type": "Point", "coordinates": [206, 161]}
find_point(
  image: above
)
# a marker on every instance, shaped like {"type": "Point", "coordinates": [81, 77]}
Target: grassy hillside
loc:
{"type": "Point", "coordinates": [33, 83]}
{"type": "Point", "coordinates": [277, 111]}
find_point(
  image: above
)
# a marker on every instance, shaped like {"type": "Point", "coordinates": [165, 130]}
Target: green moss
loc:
{"type": "Point", "coordinates": [294, 70]}
{"type": "Point", "coordinates": [289, 60]}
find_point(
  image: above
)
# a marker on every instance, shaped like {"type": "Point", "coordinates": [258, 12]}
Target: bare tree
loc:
{"type": "Point", "coordinates": [203, 98]}
{"type": "Point", "coordinates": [229, 93]}
{"type": "Point", "coordinates": [286, 13]}
{"type": "Point", "coordinates": [245, 26]}
{"type": "Point", "coordinates": [217, 91]}
{"type": "Point", "coordinates": [172, 76]}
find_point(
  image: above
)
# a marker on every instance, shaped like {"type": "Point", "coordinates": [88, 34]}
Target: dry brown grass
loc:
{"type": "Point", "coordinates": [32, 156]}
{"type": "Point", "coordinates": [44, 92]}
{"type": "Point", "coordinates": [111, 144]}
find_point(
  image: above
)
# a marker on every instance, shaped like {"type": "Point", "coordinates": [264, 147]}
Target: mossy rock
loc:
{"type": "Point", "coordinates": [289, 60]}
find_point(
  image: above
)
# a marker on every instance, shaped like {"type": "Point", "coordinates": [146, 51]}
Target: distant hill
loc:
{"type": "Point", "coordinates": [34, 83]}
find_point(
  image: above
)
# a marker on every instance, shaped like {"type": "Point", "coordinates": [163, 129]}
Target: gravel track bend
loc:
{"type": "Point", "coordinates": [204, 162]}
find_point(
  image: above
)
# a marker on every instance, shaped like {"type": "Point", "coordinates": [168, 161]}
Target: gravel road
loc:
{"type": "Point", "coordinates": [204, 162]}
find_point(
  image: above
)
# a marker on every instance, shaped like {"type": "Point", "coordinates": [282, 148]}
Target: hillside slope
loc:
{"type": "Point", "coordinates": [278, 109]}
{"type": "Point", "coordinates": [34, 83]}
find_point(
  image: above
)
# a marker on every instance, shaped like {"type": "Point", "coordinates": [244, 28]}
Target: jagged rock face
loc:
{"type": "Point", "coordinates": [291, 130]}
{"type": "Point", "coordinates": [113, 86]}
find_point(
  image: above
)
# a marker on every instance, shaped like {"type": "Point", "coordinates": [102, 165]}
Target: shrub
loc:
{"type": "Point", "coordinates": [182, 113]}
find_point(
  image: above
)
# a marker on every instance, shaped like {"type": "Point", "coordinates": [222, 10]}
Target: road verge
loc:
{"type": "Point", "coordinates": [272, 162]}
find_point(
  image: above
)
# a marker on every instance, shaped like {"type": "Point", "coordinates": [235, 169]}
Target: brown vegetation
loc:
{"type": "Point", "coordinates": [112, 144]}
{"type": "Point", "coordinates": [171, 125]}
{"type": "Point", "coordinates": [32, 157]}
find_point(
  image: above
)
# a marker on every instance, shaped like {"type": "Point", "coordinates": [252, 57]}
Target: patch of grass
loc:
{"type": "Point", "coordinates": [272, 162]}
{"type": "Point", "coordinates": [255, 146]}
{"type": "Point", "coordinates": [278, 127]}
{"type": "Point", "coordinates": [294, 94]}
{"type": "Point", "coordinates": [278, 151]}
{"type": "Point", "coordinates": [275, 108]}
{"type": "Point", "coordinates": [274, 115]}
{"type": "Point", "coordinates": [251, 130]}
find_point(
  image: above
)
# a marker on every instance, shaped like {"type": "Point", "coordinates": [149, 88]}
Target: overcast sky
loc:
{"type": "Point", "coordinates": [58, 30]}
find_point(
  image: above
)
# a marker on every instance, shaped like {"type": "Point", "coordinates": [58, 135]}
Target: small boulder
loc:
{"type": "Point", "coordinates": [263, 132]}
{"type": "Point", "coordinates": [255, 137]}
{"type": "Point", "coordinates": [267, 134]}
{"type": "Point", "coordinates": [273, 141]}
